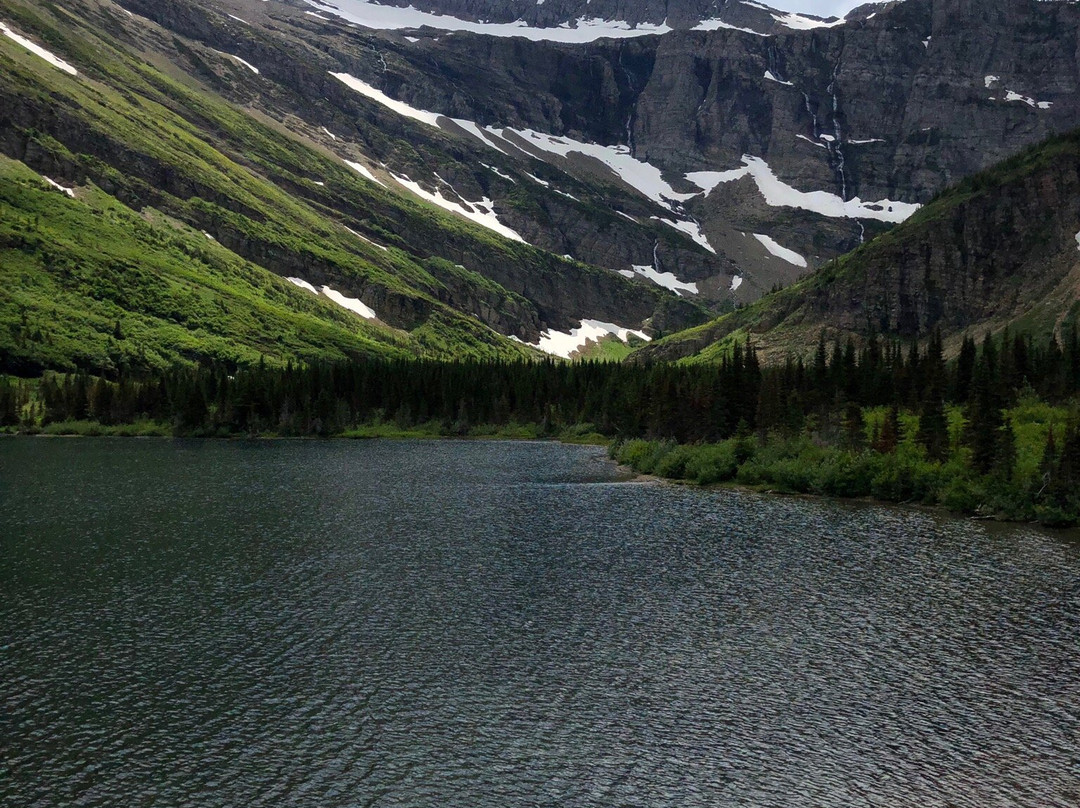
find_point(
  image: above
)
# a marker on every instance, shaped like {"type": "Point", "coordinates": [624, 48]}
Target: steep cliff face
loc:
{"type": "Point", "coordinates": [1001, 248]}
{"type": "Point", "coordinates": [891, 106]}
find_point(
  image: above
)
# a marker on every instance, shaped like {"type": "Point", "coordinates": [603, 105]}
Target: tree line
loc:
{"type": "Point", "coordinates": [825, 396]}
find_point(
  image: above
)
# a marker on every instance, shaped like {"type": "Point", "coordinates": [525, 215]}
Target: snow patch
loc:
{"type": "Point", "coordinates": [498, 173]}
{"type": "Point", "coordinates": [790, 256]}
{"type": "Point", "coordinates": [864, 142]}
{"type": "Point", "coordinates": [479, 212]}
{"type": "Point", "coordinates": [351, 303]}
{"type": "Point", "coordinates": [303, 285]}
{"type": "Point", "coordinates": [1078, 241]}
{"type": "Point", "coordinates": [37, 50]}
{"type": "Point", "coordinates": [736, 282]}
{"type": "Point", "coordinates": [248, 65]}
{"type": "Point", "coordinates": [692, 229]}
{"type": "Point", "coordinates": [566, 344]}
{"type": "Point", "coordinates": [392, 18]}
{"type": "Point", "coordinates": [770, 76]}
{"type": "Point", "coordinates": [780, 194]}
{"type": "Point", "coordinates": [716, 25]}
{"type": "Point", "coordinates": [665, 279]}
{"type": "Point", "coordinates": [989, 81]}
{"type": "Point", "coordinates": [811, 141]}
{"type": "Point", "coordinates": [332, 135]}
{"type": "Point", "coordinates": [59, 187]}
{"type": "Point", "coordinates": [365, 239]}
{"type": "Point", "coordinates": [800, 23]}
{"type": "Point", "coordinates": [353, 83]}
{"type": "Point", "coordinates": [1031, 102]}
{"type": "Point", "coordinates": [364, 172]}
{"type": "Point", "coordinates": [639, 175]}
{"type": "Point", "coordinates": [245, 22]}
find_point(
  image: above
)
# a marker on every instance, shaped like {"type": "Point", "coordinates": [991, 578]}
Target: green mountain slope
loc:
{"type": "Point", "coordinates": [999, 249]}
{"type": "Point", "coordinates": [151, 149]}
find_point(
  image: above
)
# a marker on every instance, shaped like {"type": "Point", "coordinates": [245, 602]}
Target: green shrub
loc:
{"type": "Point", "coordinates": [963, 495]}
{"type": "Point", "coordinates": [846, 475]}
{"type": "Point", "coordinates": [713, 463]}
{"type": "Point", "coordinates": [673, 464]}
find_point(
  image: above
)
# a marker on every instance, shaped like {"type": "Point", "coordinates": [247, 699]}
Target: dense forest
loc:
{"type": "Point", "coordinates": [871, 402]}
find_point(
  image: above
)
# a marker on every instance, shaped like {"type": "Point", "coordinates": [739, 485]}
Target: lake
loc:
{"type": "Point", "coordinates": [306, 623]}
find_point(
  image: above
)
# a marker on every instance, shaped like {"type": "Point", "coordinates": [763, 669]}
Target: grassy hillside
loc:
{"type": "Point", "coordinates": [159, 159]}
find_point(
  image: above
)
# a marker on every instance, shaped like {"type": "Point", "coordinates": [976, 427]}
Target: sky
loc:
{"type": "Point", "coordinates": [822, 8]}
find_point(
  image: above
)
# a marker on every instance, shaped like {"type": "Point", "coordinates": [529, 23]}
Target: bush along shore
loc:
{"type": "Point", "coordinates": [995, 432]}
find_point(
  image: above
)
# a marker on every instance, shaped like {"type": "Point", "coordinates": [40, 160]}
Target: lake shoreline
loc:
{"type": "Point", "coordinates": [627, 474]}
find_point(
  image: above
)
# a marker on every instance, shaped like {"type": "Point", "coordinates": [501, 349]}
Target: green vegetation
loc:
{"type": "Point", "coordinates": [158, 160]}
{"type": "Point", "coordinates": [1038, 487]}
{"type": "Point", "coordinates": [995, 433]}
{"type": "Point", "coordinates": [899, 293]}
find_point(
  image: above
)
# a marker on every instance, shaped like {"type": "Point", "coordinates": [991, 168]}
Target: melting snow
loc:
{"type": "Point", "coordinates": [800, 137]}
{"type": "Point", "coordinates": [692, 229]}
{"type": "Point", "coordinates": [715, 25]}
{"type": "Point", "coordinates": [736, 282]}
{"type": "Point", "coordinates": [772, 77]}
{"type": "Point", "coordinates": [480, 212]}
{"type": "Point", "coordinates": [37, 50]}
{"type": "Point", "coordinates": [332, 135]}
{"type": "Point", "coordinates": [389, 18]}
{"type": "Point", "coordinates": [566, 344]}
{"type": "Point", "coordinates": [350, 303]}
{"type": "Point", "coordinates": [365, 238]}
{"type": "Point", "coordinates": [248, 65]}
{"type": "Point", "coordinates": [801, 23]}
{"type": "Point", "coordinates": [430, 118]}
{"type": "Point", "coordinates": [59, 187]}
{"type": "Point", "coordinates": [499, 173]}
{"type": "Point", "coordinates": [790, 256]}
{"type": "Point", "coordinates": [303, 285]}
{"type": "Point", "coordinates": [864, 142]}
{"type": "Point", "coordinates": [780, 194]}
{"type": "Point", "coordinates": [1031, 102]}
{"type": "Point", "coordinates": [486, 136]}
{"type": "Point", "coordinates": [989, 81]}
{"type": "Point", "coordinates": [364, 172]}
{"type": "Point", "coordinates": [639, 175]}
{"type": "Point", "coordinates": [665, 279]}
{"type": "Point", "coordinates": [644, 178]}
{"type": "Point", "coordinates": [245, 22]}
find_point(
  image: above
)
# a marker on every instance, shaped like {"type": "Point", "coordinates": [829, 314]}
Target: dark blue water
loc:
{"type": "Point", "coordinates": [504, 624]}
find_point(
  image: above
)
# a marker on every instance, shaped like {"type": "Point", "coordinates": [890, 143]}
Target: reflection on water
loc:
{"type": "Point", "coordinates": [501, 624]}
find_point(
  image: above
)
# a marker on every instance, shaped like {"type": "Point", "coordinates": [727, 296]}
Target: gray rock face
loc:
{"type": "Point", "coordinates": [895, 104]}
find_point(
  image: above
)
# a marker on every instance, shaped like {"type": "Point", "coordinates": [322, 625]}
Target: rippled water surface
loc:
{"type": "Point", "coordinates": [505, 624]}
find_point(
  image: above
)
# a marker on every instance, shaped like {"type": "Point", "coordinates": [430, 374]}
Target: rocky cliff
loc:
{"type": "Point", "coordinates": [893, 105]}
{"type": "Point", "coordinates": [999, 249]}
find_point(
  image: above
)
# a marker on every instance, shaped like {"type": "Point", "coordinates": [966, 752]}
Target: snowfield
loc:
{"type": "Point", "coordinates": [392, 18]}
{"type": "Point", "coordinates": [566, 344]}
{"type": "Point", "coordinates": [779, 194]}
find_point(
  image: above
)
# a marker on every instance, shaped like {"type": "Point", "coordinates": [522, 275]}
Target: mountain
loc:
{"type": "Point", "coordinates": [781, 141]}
{"type": "Point", "coordinates": [546, 174]}
{"type": "Point", "coordinates": [148, 218]}
{"type": "Point", "coordinates": [1000, 249]}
